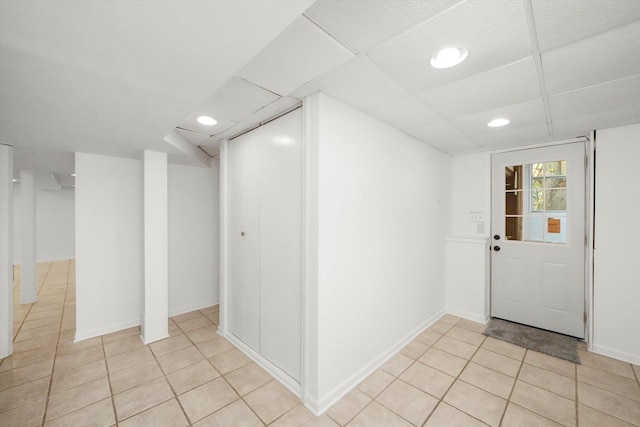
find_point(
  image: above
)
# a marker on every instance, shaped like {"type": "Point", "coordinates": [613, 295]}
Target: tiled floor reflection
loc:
{"type": "Point", "coordinates": [450, 375]}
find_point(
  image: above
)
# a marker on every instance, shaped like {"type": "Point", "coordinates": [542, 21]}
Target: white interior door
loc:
{"type": "Point", "coordinates": [538, 237]}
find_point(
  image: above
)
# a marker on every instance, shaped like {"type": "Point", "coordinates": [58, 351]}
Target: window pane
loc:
{"type": "Point", "coordinates": [513, 203]}
{"type": "Point", "coordinates": [556, 168]}
{"type": "Point", "coordinates": [556, 182]}
{"type": "Point", "coordinates": [513, 228]}
{"type": "Point", "coordinates": [513, 177]}
{"type": "Point", "coordinates": [533, 228]}
{"type": "Point", "coordinates": [556, 200]}
{"type": "Point", "coordinates": [537, 200]}
{"type": "Point", "coordinates": [537, 169]}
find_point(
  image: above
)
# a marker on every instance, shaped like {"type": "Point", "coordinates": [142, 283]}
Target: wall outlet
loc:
{"type": "Point", "coordinates": [476, 217]}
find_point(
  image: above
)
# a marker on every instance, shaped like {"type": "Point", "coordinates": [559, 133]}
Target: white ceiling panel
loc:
{"type": "Point", "coordinates": [237, 99]}
{"type": "Point", "coordinates": [435, 131]}
{"type": "Point", "coordinates": [612, 55]}
{"type": "Point", "coordinates": [457, 145]}
{"type": "Point", "coordinates": [511, 84]}
{"type": "Point", "coordinates": [494, 33]}
{"type": "Point", "coordinates": [513, 137]}
{"type": "Point", "coordinates": [407, 113]}
{"type": "Point", "coordinates": [190, 123]}
{"type": "Point", "coordinates": [583, 125]}
{"type": "Point", "coordinates": [358, 83]}
{"type": "Point", "coordinates": [525, 114]}
{"type": "Point", "coordinates": [272, 109]}
{"type": "Point", "coordinates": [609, 96]}
{"type": "Point", "coordinates": [361, 24]}
{"type": "Point", "coordinates": [193, 137]}
{"type": "Point", "coordinates": [236, 129]}
{"type": "Point", "coordinates": [298, 55]}
{"type": "Point", "coordinates": [566, 21]}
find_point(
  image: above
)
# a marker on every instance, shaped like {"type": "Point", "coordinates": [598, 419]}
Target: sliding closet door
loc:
{"type": "Point", "coordinates": [244, 242]}
{"type": "Point", "coordinates": [281, 243]}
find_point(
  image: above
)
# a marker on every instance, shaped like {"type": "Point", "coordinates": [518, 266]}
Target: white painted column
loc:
{"type": "Point", "coordinates": [6, 250]}
{"type": "Point", "coordinates": [28, 291]}
{"type": "Point", "coordinates": [156, 243]}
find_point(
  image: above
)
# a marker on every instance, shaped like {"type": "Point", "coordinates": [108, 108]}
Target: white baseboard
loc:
{"type": "Point", "coordinates": [469, 316]}
{"type": "Point", "coordinates": [81, 336]}
{"type": "Point", "coordinates": [319, 405]}
{"type": "Point", "coordinates": [194, 307]}
{"type": "Point", "coordinates": [616, 354]}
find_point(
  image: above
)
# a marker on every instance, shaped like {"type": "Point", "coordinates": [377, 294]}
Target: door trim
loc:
{"type": "Point", "coordinates": [589, 217]}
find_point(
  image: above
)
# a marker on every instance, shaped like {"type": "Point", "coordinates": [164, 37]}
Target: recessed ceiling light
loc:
{"type": "Point", "coordinates": [206, 120]}
{"type": "Point", "coordinates": [73, 175]}
{"type": "Point", "coordinates": [496, 123]}
{"type": "Point", "coordinates": [449, 57]}
{"type": "Point", "coordinates": [15, 180]}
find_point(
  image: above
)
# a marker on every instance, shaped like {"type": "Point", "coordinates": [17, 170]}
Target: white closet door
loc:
{"type": "Point", "coordinates": [281, 242]}
{"type": "Point", "coordinates": [244, 242]}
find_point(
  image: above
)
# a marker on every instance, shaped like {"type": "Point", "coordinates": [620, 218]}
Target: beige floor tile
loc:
{"type": "Point", "coordinates": [606, 364]}
{"type": "Point", "coordinates": [169, 345]}
{"type": "Point", "coordinates": [76, 376]}
{"type": "Point", "coordinates": [497, 362]}
{"type": "Point", "coordinates": [467, 336]}
{"type": "Point", "coordinates": [75, 398]}
{"type": "Point", "coordinates": [505, 348]}
{"type": "Point", "coordinates": [68, 325]}
{"type": "Point", "coordinates": [550, 381]}
{"type": "Point", "coordinates": [25, 374]}
{"type": "Point", "coordinates": [545, 403]}
{"type": "Point", "coordinates": [122, 345]}
{"type": "Point", "coordinates": [443, 361]}
{"type": "Point", "coordinates": [397, 364]}
{"type": "Point", "coordinates": [427, 379]}
{"type": "Point", "coordinates": [455, 347]}
{"type": "Point", "coordinates": [248, 378]}
{"type": "Point", "coordinates": [195, 323]}
{"type": "Point", "coordinates": [186, 316]}
{"type": "Point", "coordinates": [440, 327]}
{"type": "Point", "coordinates": [407, 401]}
{"type": "Point", "coordinates": [472, 326]}
{"type": "Point", "coordinates": [214, 346]}
{"type": "Point", "coordinates": [348, 407]}
{"type": "Point", "coordinates": [550, 363]}
{"type": "Point", "coordinates": [487, 379]}
{"type": "Point", "coordinates": [72, 347]}
{"type": "Point", "coordinates": [134, 376]}
{"type": "Point", "coordinates": [37, 323]}
{"type": "Point", "coordinates": [210, 310]}
{"type": "Point", "coordinates": [168, 413]}
{"type": "Point", "coordinates": [414, 349]}
{"type": "Point", "coordinates": [611, 404]}
{"type": "Point", "coordinates": [114, 336]}
{"type": "Point", "coordinates": [428, 337]}
{"type": "Point", "coordinates": [97, 414]}
{"type": "Point", "coordinates": [476, 402]}
{"type": "Point", "coordinates": [447, 416]}
{"type": "Point", "coordinates": [235, 414]}
{"type": "Point", "coordinates": [214, 317]}
{"type": "Point", "coordinates": [375, 383]}
{"type": "Point", "coordinates": [129, 359]}
{"type": "Point", "coordinates": [55, 314]}
{"type": "Point", "coordinates": [174, 329]}
{"type": "Point", "coordinates": [24, 393]}
{"type": "Point", "coordinates": [449, 319]}
{"type": "Point", "coordinates": [79, 358]}
{"type": "Point", "coordinates": [179, 359]}
{"type": "Point", "coordinates": [203, 334]}
{"type": "Point", "coordinates": [229, 360]}
{"type": "Point", "coordinates": [20, 359]}
{"type": "Point", "coordinates": [271, 401]}
{"type": "Point", "coordinates": [588, 417]}
{"type": "Point", "coordinates": [141, 398]}
{"type": "Point", "coordinates": [41, 342]}
{"type": "Point", "coordinates": [192, 376]}
{"type": "Point", "coordinates": [207, 399]}
{"type": "Point", "coordinates": [376, 415]}
{"type": "Point", "coordinates": [518, 416]}
{"type": "Point", "coordinates": [301, 416]}
{"type": "Point", "coordinates": [29, 415]}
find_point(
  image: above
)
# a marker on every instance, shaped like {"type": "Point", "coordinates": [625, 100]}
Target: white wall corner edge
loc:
{"type": "Point", "coordinates": [199, 306]}
{"type": "Point", "coordinates": [318, 406]}
{"type": "Point", "coordinates": [81, 336]}
{"type": "Point", "coordinates": [616, 354]}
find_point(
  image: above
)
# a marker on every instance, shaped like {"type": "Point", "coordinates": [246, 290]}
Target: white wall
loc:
{"type": "Point", "coordinates": [55, 225]}
{"type": "Point", "coordinates": [470, 182]}
{"type": "Point", "coordinates": [617, 253]}
{"type": "Point", "coordinates": [109, 243]}
{"type": "Point", "coordinates": [193, 237]}
{"type": "Point", "coordinates": [382, 203]}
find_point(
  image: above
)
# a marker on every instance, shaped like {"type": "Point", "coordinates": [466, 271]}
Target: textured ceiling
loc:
{"type": "Point", "coordinates": [115, 77]}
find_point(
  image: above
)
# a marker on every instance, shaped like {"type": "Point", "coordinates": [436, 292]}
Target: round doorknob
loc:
{"type": "Point", "coordinates": [496, 248]}
{"type": "Point", "coordinates": [496, 237]}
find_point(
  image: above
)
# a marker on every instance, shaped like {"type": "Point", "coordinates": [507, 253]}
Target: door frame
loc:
{"type": "Point", "coordinates": [588, 226]}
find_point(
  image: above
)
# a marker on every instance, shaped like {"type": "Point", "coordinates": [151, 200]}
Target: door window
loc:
{"type": "Point", "coordinates": [536, 202]}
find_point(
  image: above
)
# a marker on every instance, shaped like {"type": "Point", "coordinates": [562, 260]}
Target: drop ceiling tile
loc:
{"type": "Point", "coordinates": [194, 137]}
{"type": "Point", "coordinates": [298, 55]}
{"type": "Point", "coordinates": [610, 56]}
{"type": "Point", "coordinates": [583, 125]}
{"type": "Point", "coordinates": [271, 110]}
{"type": "Point", "coordinates": [358, 83]}
{"type": "Point", "coordinates": [593, 99]}
{"type": "Point", "coordinates": [236, 129]}
{"type": "Point", "coordinates": [433, 132]}
{"type": "Point", "coordinates": [511, 84]}
{"type": "Point", "coordinates": [495, 34]}
{"type": "Point", "coordinates": [457, 145]}
{"type": "Point", "coordinates": [237, 99]}
{"type": "Point", "coordinates": [190, 123]}
{"type": "Point", "coordinates": [361, 24]}
{"type": "Point", "coordinates": [513, 137]}
{"type": "Point", "coordinates": [407, 113]}
{"type": "Point", "coordinates": [566, 21]}
{"type": "Point", "coordinates": [525, 114]}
